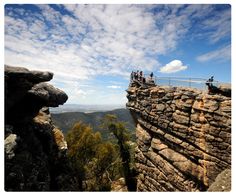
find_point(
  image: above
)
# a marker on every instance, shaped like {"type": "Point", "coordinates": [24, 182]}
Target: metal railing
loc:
{"type": "Point", "coordinates": [199, 83]}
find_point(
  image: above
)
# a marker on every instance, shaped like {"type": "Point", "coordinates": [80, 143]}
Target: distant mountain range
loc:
{"type": "Point", "coordinates": [85, 108]}
{"type": "Point", "coordinates": [66, 120]}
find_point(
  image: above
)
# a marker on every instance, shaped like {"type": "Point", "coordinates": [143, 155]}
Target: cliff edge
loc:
{"type": "Point", "coordinates": [34, 147]}
{"type": "Point", "coordinates": [183, 137]}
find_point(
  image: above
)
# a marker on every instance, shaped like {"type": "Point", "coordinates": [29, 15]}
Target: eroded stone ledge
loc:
{"type": "Point", "coordinates": [183, 135]}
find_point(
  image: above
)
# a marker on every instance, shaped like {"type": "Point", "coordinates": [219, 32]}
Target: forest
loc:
{"type": "Point", "coordinates": [96, 164]}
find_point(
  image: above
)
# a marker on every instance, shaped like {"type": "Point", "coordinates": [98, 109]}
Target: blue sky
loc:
{"type": "Point", "coordinates": [91, 49]}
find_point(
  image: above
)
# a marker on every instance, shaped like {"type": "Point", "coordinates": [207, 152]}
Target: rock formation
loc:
{"type": "Point", "coordinates": [119, 186]}
{"type": "Point", "coordinates": [183, 137]}
{"type": "Point", "coordinates": [34, 147]}
{"type": "Point", "coordinates": [222, 182]}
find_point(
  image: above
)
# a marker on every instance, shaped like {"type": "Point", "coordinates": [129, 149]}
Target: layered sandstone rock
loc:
{"type": "Point", "coordinates": [34, 147]}
{"type": "Point", "coordinates": [183, 137]}
{"type": "Point", "coordinates": [119, 186]}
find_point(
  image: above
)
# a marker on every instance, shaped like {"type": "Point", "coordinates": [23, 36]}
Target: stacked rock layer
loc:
{"type": "Point", "coordinates": [183, 137]}
{"type": "Point", "coordinates": [34, 147]}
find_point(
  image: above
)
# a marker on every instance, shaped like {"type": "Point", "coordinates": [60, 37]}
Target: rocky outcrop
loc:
{"type": "Point", "coordinates": [119, 186]}
{"type": "Point", "coordinates": [222, 182]}
{"type": "Point", "coordinates": [34, 147]}
{"type": "Point", "coordinates": [183, 137]}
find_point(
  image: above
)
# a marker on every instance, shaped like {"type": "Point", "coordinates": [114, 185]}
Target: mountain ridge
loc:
{"type": "Point", "coordinates": [66, 120]}
{"type": "Point", "coordinates": [86, 108]}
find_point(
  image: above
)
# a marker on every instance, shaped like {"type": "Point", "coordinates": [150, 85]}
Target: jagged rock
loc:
{"type": "Point", "coordinates": [119, 186]}
{"type": "Point", "coordinates": [24, 88]}
{"type": "Point", "coordinates": [18, 81]}
{"type": "Point", "coordinates": [33, 145]}
{"type": "Point", "coordinates": [50, 96]}
{"type": "Point", "coordinates": [59, 139]}
{"type": "Point", "coordinates": [23, 73]}
{"type": "Point", "coordinates": [43, 117]}
{"type": "Point", "coordinates": [9, 145]}
{"type": "Point", "coordinates": [183, 137]}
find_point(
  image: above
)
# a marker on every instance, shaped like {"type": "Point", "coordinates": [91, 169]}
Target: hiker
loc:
{"type": "Point", "coordinates": [211, 87]}
{"type": "Point", "coordinates": [141, 76]}
{"type": "Point", "coordinates": [132, 76]}
{"type": "Point", "coordinates": [151, 75]}
{"type": "Point", "coordinates": [137, 74]}
{"type": "Point", "coordinates": [144, 80]}
{"type": "Point", "coordinates": [209, 82]}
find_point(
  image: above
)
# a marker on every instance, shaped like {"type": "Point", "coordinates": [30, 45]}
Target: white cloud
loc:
{"type": "Point", "coordinates": [96, 40]}
{"type": "Point", "coordinates": [107, 40]}
{"type": "Point", "coordinates": [220, 54]}
{"type": "Point", "coordinates": [173, 66]}
{"type": "Point", "coordinates": [218, 26]}
{"type": "Point", "coordinates": [113, 86]}
{"type": "Point", "coordinates": [208, 22]}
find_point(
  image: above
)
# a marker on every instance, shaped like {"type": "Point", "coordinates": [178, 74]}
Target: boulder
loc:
{"type": "Point", "coordinates": [24, 88]}
{"type": "Point", "coordinates": [50, 96]}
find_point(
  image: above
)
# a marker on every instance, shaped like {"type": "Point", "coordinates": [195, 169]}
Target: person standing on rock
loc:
{"type": "Point", "coordinates": [132, 76]}
{"type": "Point", "coordinates": [137, 74]}
{"type": "Point", "coordinates": [151, 75]}
{"type": "Point", "coordinates": [210, 81]}
{"type": "Point", "coordinates": [141, 76]}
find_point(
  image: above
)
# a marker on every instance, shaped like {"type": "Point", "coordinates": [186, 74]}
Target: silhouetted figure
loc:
{"type": "Point", "coordinates": [141, 76]}
{"type": "Point", "coordinates": [144, 80]}
{"type": "Point", "coordinates": [209, 82]}
{"type": "Point", "coordinates": [215, 90]}
{"type": "Point", "coordinates": [132, 76]}
{"type": "Point", "coordinates": [137, 74]}
{"type": "Point", "coordinates": [151, 75]}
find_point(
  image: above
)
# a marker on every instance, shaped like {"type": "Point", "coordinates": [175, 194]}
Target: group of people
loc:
{"type": "Point", "coordinates": [139, 76]}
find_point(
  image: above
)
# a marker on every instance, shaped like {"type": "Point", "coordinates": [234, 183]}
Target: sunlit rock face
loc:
{"type": "Point", "coordinates": [183, 137]}
{"type": "Point", "coordinates": [34, 147]}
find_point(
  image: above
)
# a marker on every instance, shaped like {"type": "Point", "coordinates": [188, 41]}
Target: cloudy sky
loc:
{"type": "Point", "coordinates": [91, 49]}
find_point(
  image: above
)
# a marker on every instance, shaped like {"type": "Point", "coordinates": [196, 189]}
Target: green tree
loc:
{"type": "Point", "coordinates": [93, 161]}
{"type": "Point", "coordinates": [105, 166]}
{"type": "Point", "coordinates": [111, 123]}
{"type": "Point", "coordinates": [82, 146]}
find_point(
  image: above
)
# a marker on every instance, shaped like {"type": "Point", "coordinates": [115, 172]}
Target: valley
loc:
{"type": "Point", "coordinates": [66, 120]}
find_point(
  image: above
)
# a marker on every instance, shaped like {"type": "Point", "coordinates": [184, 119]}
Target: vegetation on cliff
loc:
{"type": "Point", "coordinates": [37, 156]}
{"type": "Point", "coordinates": [111, 123]}
{"type": "Point", "coordinates": [96, 163]}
